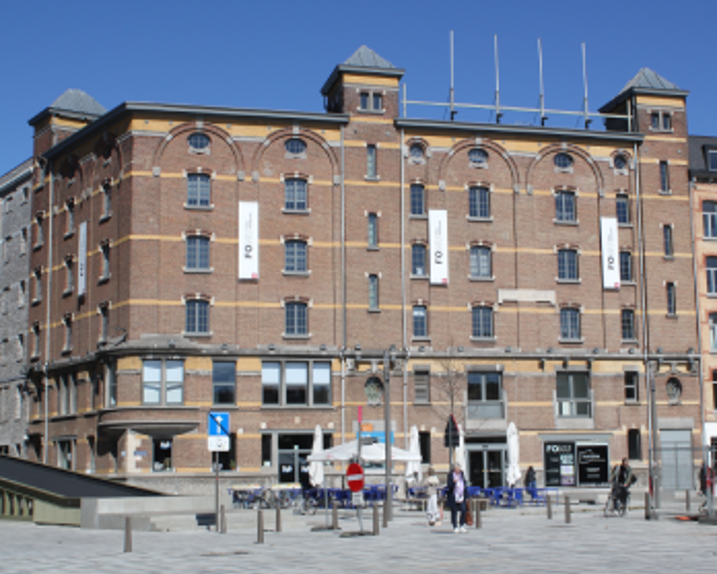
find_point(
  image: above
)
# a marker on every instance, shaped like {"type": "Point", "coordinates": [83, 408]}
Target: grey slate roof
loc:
{"type": "Point", "coordinates": [16, 173]}
{"type": "Point", "coordinates": [649, 80]}
{"type": "Point", "coordinates": [365, 57]}
{"type": "Point", "coordinates": [79, 102]}
{"type": "Point", "coordinates": [699, 145]}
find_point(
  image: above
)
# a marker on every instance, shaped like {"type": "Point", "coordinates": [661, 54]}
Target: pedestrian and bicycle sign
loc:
{"type": "Point", "coordinates": [218, 431]}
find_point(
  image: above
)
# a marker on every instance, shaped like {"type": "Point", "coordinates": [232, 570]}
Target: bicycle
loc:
{"type": "Point", "coordinates": [614, 505]}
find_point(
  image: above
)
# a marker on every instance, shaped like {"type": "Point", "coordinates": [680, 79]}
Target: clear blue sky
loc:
{"type": "Point", "coordinates": [277, 54]}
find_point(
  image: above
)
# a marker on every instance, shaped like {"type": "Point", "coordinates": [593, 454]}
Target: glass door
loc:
{"type": "Point", "coordinates": [486, 468]}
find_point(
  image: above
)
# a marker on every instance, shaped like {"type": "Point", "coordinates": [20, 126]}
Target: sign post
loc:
{"type": "Point", "coordinates": [355, 480]}
{"type": "Point", "coordinates": [218, 441]}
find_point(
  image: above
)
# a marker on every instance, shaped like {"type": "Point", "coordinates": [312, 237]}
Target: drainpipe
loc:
{"type": "Point", "coordinates": [403, 294]}
{"type": "Point", "coordinates": [48, 317]}
{"type": "Point", "coordinates": [343, 289]}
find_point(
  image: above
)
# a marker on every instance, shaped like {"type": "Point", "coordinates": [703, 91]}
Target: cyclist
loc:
{"type": "Point", "coordinates": [623, 478]}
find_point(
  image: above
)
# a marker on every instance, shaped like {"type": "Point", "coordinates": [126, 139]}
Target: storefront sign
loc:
{"type": "Point", "coordinates": [559, 463]}
{"type": "Point", "coordinates": [610, 253]}
{"type": "Point", "coordinates": [593, 465]}
{"type": "Point", "coordinates": [248, 240]}
{"type": "Point", "coordinates": [438, 238]}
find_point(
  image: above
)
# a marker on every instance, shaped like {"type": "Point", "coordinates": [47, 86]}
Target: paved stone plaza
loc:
{"type": "Point", "coordinates": [510, 541]}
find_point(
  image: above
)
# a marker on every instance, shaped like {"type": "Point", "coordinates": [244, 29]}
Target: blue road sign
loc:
{"type": "Point", "coordinates": [218, 424]}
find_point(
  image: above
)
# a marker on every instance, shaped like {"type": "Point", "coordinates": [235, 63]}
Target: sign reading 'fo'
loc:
{"type": "Point", "coordinates": [438, 240]}
{"type": "Point", "coordinates": [248, 240]}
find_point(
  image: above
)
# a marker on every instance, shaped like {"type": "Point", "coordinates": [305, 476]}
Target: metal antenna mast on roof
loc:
{"type": "Point", "coordinates": [498, 113]}
{"type": "Point", "coordinates": [543, 117]}
{"type": "Point", "coordinates": [452, 92]}
{"type": "Point", "coordinates": [585, 82]}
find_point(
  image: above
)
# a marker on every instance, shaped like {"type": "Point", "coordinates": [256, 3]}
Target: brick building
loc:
{"type": "Point", "coordinates": [189, 259]}
{"type": "Point", "coordinates": [14, 267]}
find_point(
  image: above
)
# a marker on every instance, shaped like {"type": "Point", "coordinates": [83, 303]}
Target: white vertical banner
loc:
{"type": "Point", "coordinates": [248, 240]}
{"type": "Point", "coordinates": [610, 253]}
{"type": "Point", "coordinates": [82, 260]}
{"type": "Point", "coordinates": [438, 238]}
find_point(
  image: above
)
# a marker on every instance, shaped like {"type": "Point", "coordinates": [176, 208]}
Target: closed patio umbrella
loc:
{"type": "Point", "coordinates": [316, 468]}
{"type": "Point", "coordinates": [413, 468]}
{"type": "Point", "coordinates": [513, 475]}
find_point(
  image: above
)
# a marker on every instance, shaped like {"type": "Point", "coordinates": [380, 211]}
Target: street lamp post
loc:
{"type": "Point", "coordinates": [388, 511]}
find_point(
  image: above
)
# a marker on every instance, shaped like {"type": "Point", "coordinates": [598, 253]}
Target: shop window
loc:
{"type": "Point", "coordinates": [296, 383]}
{"type": "Point", "coordinates": [224, 383]}
{"type": "Point", "coordinates": [161, 454]}
{"type": "Point", "coordinates": [162, 382]}
{"type": "Point", "coordinates": [634, 446]}
{"type": "Point", "coordinates": [632, 394]}
{"type": "Point", "coordinates": [573, 395]}
{"type": "Point", "coordinates": [422, 386]}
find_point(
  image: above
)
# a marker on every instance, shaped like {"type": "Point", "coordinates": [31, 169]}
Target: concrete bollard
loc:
{"type": "Point", "coordinates": [549, 507]}
{"type": "Point", "coordinates": [277, 526]}
{"type": "Point", "coordinates": [385, 514]}
{"type": "Point", "coordinates": [566, 502]}
{"type": "Point", "coordinates": [478, 515]}
{"type": "Point", "coordinates": [335, 516]}
{"type": "Point", "coordinates": [375, 520]}
{"type": "Point", "coordinates": [648, 514]}
{"type": "Point", "coordinates": [127, 534]}
{"type": "Point", "coordinates": [687, 500]}
{"type": "Point", "coordinates": [222, 520]}
{"type": "Point", "coordinates": [260, 527]}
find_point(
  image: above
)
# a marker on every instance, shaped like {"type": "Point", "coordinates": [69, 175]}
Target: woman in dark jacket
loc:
{"type": "Point", "coordinates": [457, 492]}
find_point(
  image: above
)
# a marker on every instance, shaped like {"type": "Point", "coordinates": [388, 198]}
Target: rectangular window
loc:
{"type": "Point", "coordinates": [479, 202]}
{"type": "Point", "coordinates": [565, 206]}
{"type": "Point", "coordinates": [373, 292]}
{"type": "Point", "coordinates": [224, 383]}
{"type": "Point", "coordinates": [480, 262]}
{"type": "Point", "coordinates": [625, 266]}
{"type": "Point", "coordinates": [568, 265]}
{"type": "Point", "coordinates": [634, 446]}
{"type": "Point", "coordinates": [424, 440]}
{"type": "Point", "coordinates": [667, 240]}
{"type": "Point", "coordinates": [664, 177]}
{"type": "Point", "coordinates": [266, 440]}
{"type": "Point", "coordinates": [632, 394]}
{"type": "Point", "coordinates": [570, 324]}
{"type": "Point", "coordinates": [622, 209]}
{"type": "Point", "coordinates": [371, 161]}
{"type": "Point", "coordinates": [198, 190]}
{"type": "Point", "coordinates": [420, 322]}
{"type": "Point", "coordinates": [712, 160]}
{"type": "Point", "coordinates": [105, 251]}
{"type": "Point", "coordinates": [161, 454]}
{"type": "Point", "coordinates": [377, 102]}
{"type": "Point", "coordinates": [39, 235]}
{"type": "Point", "coordinates": [197, 317]}
{"type": "Point", "coordinates": [485, 395]}
{"type": "Point", "coordinates": [295, 257]}
{"type": "Point", "coordinates": [573, 395]}
{"type": "Point", "coordinates": [69, 276]}
{"type": "Point", "coordinates": [372, 231]}
{"type": "Point", "coordinates": [104, 312]}
{"type": "Point", "coordinates": [296, 319]}
{"type": "Point", "coordinates": [111, 384]}
{"type": "Point", "coordinates": [23, 241]}
{"type": "Point", "coordinates": [66, 395]}
{"type": "Point", "coordinates": [106, 202]}
{"type": "Point", "coordinates": [197, 253]}
{"type": "Point", "coordinates": [671, 299]}
{"type": "Point", "coordinates": [296, 383]}
{"type": "Point", "coordinates": [418, 260]}
{"type": "Point", "coordinates": [714, 390]}
{"type": "Point", "coordinates": [295, 194]}
{"type": "Point", "coordinates": [70, 218]}
{"type": "Point", "coordinates": [364, 100]}
{"type": "Point", "coordinates": [711, 272]}
{"type": "Point", "coordinates": [482, 323]}
{"type": "Point", "coordinates": [422, 387]}
{"type": "Point", "coordinates": [709, 216]}
{"type": "Point", "coordinates": [162, 382]}
{"type": "Point", "coordinates": [38, 286]}
{"type": "Point", "coordinates": [713, 331]}
{"type": "Point", "coordinates": [67, 321]}
{"type": "Point", "coordinates": [627, 320]}
{"type": "Point", "coordinates": [418, 199]}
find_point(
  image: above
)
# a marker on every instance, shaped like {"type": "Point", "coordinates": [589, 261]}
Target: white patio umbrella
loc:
{"type": "Point", "coordinates": [513, 475]}
{"type": "Point", "coordinates": [413, 468]}
{"type": "Point", "coordinates": [316, 468]}
{"type": "Point", "coordinates": [375, 452]}
{"type": "Point", "coordinates": [460, 455]}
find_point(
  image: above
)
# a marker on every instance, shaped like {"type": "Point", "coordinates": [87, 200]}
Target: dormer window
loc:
{"type": "Point", "coordinates": [712, 160]}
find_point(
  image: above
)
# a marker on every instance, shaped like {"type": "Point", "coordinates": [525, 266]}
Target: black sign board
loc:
{"type": "Point", "coordinates": [559, 463]}
{"type": "Point", "coordinates": [593, 465]}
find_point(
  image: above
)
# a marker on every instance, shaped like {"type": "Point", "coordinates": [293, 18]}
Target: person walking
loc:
{"type": "Point", "coordinates": [530, 482]}
{"type": "Point", "coordinates": [457, 488]}
{"type": "Point", "coordinates": [431, 484]}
